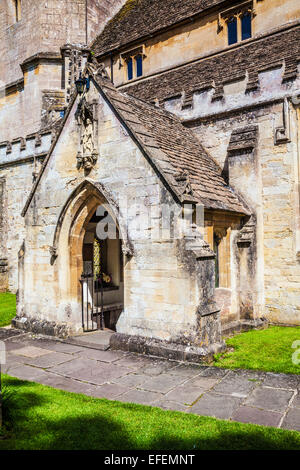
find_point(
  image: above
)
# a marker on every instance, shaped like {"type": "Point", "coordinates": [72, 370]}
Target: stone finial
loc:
{"type": "Point", "coordinates": [184, 183]}
{"type": "Point", "coordinates": [97, 69]}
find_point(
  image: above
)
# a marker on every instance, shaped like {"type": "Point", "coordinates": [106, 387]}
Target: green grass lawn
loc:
{"type": "Point", "coordinates": [269, 350]}
{"type": "Point", "coordinates": [40, 417]}
{"type": "Point", "coordinates": [7, 308]}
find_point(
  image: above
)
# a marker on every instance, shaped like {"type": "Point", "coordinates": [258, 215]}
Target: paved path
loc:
{"type": "Point", "coordinates": [241, 395]}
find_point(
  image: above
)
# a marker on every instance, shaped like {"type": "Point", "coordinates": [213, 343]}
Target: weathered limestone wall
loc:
{"type": "Point", "coordinates": [3, 253]}
{"type": "Point", "coordinates": [18, 40]}
{"type": "Point", "coordinates": [18, 184]}
{"type": "Point", "coordinates": [21, 110]}
{"type": "Point", "coordinates": [164, 284]}
{"type": "Point", "coordinates": [201, 38]}
{"type": "Point", "coordinates": [267, 270]}
{"type": "Point", "coordinates": [265, 273]}
{"type": "Point", "coordinates": [45, 26]}
{"type": "Point", "coordinates": [16, 177]}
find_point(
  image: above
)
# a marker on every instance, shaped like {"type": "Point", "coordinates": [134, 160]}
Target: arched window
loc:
{"type": "Point", "coordinates": [232, 30]}
{"type": "Point", "coordinates": [129, 68]}
{"type": "Point", "coordinates": [139, 65]}
{"type": "Point", "coordinates": [246, 26]}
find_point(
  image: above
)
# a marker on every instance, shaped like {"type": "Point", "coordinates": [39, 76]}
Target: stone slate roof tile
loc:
{"type": "Point", "coordinates": [175, 149]}
{"type": "Point", "coordinates": [224, 67]}
{"type": "Point", "coordinates": [139, 18]}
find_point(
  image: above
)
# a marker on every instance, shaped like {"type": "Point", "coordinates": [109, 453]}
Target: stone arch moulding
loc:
{"type": "Point", "coordinates": [79, 198]}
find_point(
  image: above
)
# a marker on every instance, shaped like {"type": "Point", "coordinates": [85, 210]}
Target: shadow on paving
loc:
{"type": "Point", "coordinates": [109, 425]}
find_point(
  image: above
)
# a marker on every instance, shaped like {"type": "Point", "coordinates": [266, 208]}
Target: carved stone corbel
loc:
{"type": "Point", "coordinates": [53, 254]}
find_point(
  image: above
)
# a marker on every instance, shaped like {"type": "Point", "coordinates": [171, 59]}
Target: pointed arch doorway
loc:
{"type": "Point", "coordinates": [90, 268]}
{"type": "Point", "coordinates": [102, 279]}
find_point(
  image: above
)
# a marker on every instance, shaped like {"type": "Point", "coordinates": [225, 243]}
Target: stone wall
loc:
{"type": "Point", "coordinates": [264, 170]}
{"type": "Point", "coordinates": [3, 254]}
{"type": "Point", "coordinates": [268, 179]}
{"type": "Point", "coordinates": [45, 26]}
{"type": "Point", "coordinates": [19, 162]}
{"type": "Point", "coordinates": [30, 60]}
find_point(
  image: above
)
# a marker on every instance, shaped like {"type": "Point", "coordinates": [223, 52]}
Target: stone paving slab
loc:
{"type": "Point", "coordinates": [61, 347]}
{"type": "Point", "coordinates": [157, 367]}
{"type": "Point", "coordinates": [109, 391]}
{"type": "Point", "coordinates": [216, 405]}
{"type": "Point", "coordinates": [214, 372]}
{"type": "Point", "coordinates": [204, 383]}
{"type": "Point", "coordinates": [171, 405]}
{"type": "Point", "coordinates": [133, 362]}
{"type": "Point", "coordinates": [162, 383]}
{"type": "Point", "coordinates": [247, 414]}
{"type": "Point", "coordinates": [237, 384]}
{"type": "Point", "coordinates": [65, 383]}
{"type": "Point", "coordinates": [102, 356]}
{"type": "Point", "coordinates": [30, 352]}
{"type": "Point", "coordinates": [49, 360]}
{"type": "Point", "coordinates": [25, 372]}
{"type": "Point", "coordinates": [292, 419]}
{"type": "Point", "coordinates": [271, 399]}
{"type": "Point", "coordinates": [285, 381]}
{"type": "Point", "coordinates": [246, 396]}
{"type": "Point", "coordinates": [140, 396]}
{"type": "Point", "coordinates": [91, 371]}
{"type": "Point", "coordinates": [296, 401]}
{"type": "Point", "coordinates": [185, 394]}
{"type": "Point", "coordinates": [186, 371]}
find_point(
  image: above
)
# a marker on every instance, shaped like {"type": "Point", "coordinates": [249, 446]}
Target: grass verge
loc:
{"type": "Point", "coordinates": [268, 350]}
{"type": "Point", "coordinates": [7, 308]}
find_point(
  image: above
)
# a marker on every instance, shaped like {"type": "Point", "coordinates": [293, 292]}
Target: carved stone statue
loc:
{"type": "Point", "coordinates": [88, 138]}
{"type": "Point", "coordinates": [87, 156]}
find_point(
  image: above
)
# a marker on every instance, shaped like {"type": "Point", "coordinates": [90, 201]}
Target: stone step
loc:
{"type": "Point", "coordinates": [94, 340]}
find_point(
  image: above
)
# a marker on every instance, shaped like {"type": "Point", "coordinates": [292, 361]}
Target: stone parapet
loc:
{"type": "Point", "coordinates": [25, 148]}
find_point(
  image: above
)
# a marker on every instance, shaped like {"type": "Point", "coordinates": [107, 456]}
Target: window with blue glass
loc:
{"type": "Point", "coordinates": [246, 26]}
{"type": "Point", "coordinates": [129, 69]}
{"type": "Point", "coordinates": [232, 31]}
{"type": "Point", "coordinates": [139, 65]}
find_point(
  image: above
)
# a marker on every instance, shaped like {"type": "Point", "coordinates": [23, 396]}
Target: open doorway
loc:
{"type": "Point", "coordinates": [102, 280]}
